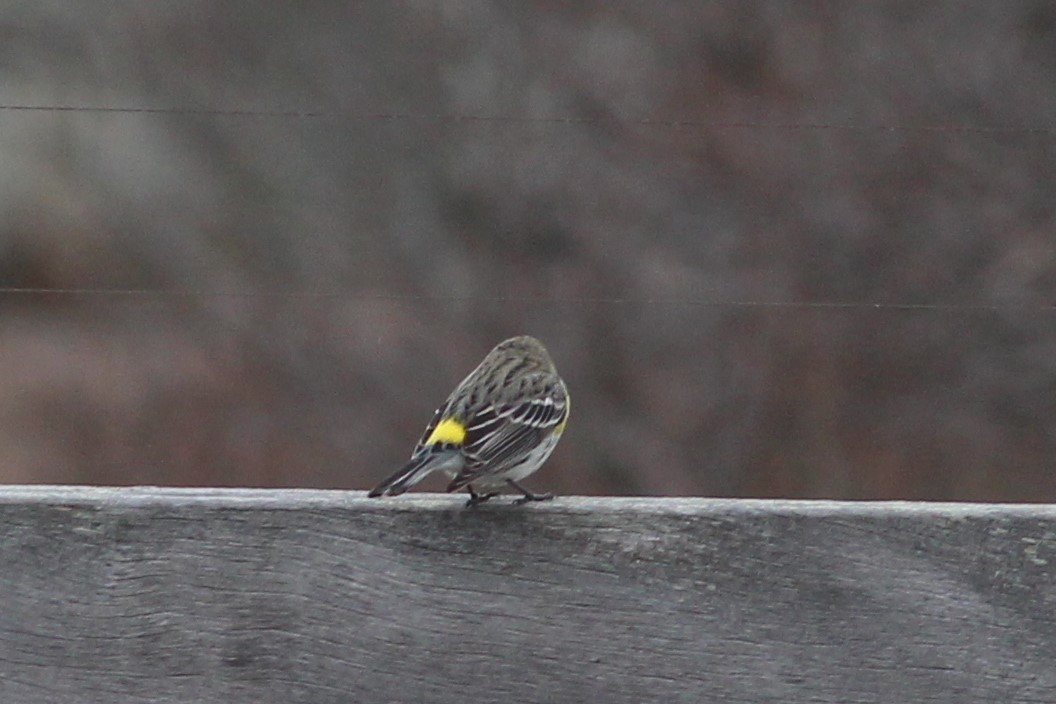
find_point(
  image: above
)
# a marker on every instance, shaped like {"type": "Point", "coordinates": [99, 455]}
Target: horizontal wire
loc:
{"type": "Point", "coordinates": [518, 119]}
{"type": "Point", "coordinates": [308, 114]}
{"type": "Point", "coordinates": [600, 300]}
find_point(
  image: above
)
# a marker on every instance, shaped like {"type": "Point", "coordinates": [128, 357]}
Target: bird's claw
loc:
{"type": "Point", "coordinates": [475, 498]}
{"type": "Point", "coordinates": [528, 498]}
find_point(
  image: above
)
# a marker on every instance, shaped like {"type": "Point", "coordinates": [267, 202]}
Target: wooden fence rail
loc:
{"type": "Point", "coordinates": [178, 595]}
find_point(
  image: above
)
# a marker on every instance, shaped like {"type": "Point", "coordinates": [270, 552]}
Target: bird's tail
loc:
{"type": "Point", "coordinates": [411, 473]}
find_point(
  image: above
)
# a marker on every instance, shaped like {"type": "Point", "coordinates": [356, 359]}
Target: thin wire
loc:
{"type": "Point", "coordinates": [519, 119]}
{"type": "Point", "coordinates": [513, 119]}
{"type": "Point", "coordinates": [600, 300]}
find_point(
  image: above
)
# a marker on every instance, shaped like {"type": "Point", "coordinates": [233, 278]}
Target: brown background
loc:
{"type": "Point", "coordinates": [269, 299]}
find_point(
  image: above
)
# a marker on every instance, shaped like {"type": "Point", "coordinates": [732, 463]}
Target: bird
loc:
{"type": "Point", "coordinates": [497, 427]}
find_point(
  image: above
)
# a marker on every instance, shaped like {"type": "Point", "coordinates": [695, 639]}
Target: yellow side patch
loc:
{"type": "Point", "coordinates": [564, 421]}
{"type": "Point", "coordinates": [448, 431]}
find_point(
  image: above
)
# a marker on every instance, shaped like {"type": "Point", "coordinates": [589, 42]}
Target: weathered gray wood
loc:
{"type": "Point", "coordinates": [166, 595]}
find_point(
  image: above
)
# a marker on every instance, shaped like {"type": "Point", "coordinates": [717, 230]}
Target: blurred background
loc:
{"type": "Point", "coordinates": [776, 249]}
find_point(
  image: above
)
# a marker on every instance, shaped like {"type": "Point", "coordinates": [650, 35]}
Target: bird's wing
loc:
{"type": "Point", "coordinates": [498, 437]}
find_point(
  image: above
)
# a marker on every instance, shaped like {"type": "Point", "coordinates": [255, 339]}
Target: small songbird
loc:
{"type": "Point", "coordinates": [495, 429]}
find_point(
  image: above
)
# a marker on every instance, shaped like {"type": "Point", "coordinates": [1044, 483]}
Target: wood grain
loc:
{"type": "Point", "coordinates": [169, 595]}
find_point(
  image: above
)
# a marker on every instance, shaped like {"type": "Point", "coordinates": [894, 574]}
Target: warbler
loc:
{"type": "Point", "coordinates": [497, 427]}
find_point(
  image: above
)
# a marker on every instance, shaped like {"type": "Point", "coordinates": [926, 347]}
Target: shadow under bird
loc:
{"type": "Point", "coordinates": [497, 427]}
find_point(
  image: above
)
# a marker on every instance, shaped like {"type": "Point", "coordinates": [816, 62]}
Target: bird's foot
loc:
{"type": "Point", "coordinates": [528, 495]}
{"type": "Point", "coordinates": [475, 498]}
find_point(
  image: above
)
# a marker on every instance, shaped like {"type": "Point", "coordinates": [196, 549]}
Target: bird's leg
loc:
{"type": "Point", "coordinates": [528, 496]}
{"type": "Point", "coordinates": [475, 498]}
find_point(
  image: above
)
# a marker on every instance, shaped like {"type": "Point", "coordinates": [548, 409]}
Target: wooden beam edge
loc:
{"type": "Point", "coordinates": [102, 497]}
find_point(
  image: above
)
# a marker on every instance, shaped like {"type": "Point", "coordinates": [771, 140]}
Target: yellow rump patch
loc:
{"type": "Point", "coordinates": [448, 431]}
